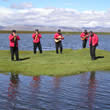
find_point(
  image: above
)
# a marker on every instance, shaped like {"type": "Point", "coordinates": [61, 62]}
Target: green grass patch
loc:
{"type": "Point", "coordinates": [49, 63]}
{"type": "Point", "coordinates": [50, 32]}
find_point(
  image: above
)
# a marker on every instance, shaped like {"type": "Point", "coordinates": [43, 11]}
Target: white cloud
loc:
{"type": "Point", "coordinates": [54, 17]}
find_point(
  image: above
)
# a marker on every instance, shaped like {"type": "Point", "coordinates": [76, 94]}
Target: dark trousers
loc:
{"type": "Point", "coordinates": [92, 52]}
{"type": "Point", "coordinates": [14, 51]}
{"type": "Point", "coordinates": [84, 43]}
{"type": "Point", "coordinates": [59, 45]}
{"type": "Point", "coordinates": [35, 47]}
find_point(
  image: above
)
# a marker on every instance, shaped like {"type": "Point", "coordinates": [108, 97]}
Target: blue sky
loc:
{"type": "Point", "coordinates": [79, 5]}
{"type": "Point", "coordinates": [75, 13]}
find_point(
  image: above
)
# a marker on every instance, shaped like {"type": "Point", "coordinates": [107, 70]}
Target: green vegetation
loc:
{"type": "Point", "coordinates": [47, 32]}
{"type": "Point", "coordinates": [43, 32]}
{"type": "Point", "coordinates": [49, 63]}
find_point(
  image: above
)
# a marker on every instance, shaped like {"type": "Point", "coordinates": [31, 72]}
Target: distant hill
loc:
{"type": "Point", "coordinates": [2, 27]}
{"type": "Point", "coordinates": [54, 28]}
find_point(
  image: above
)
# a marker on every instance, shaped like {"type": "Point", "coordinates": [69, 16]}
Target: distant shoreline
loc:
{"type": "Point", "coordinates": [50, 32]}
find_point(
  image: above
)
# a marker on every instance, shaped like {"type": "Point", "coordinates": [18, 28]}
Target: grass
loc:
{"type": "Point", "coordinates": [49, 63]}
{"type": "Point", "coordinates": [48, 32]}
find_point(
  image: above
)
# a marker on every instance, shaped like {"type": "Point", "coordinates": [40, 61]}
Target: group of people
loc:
{"type": "Point", "coordinates": [93, 42]}
{"type": "Point", "coordinates": [58, 37]}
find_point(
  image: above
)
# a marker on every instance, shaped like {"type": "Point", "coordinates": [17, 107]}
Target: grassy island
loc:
{"type": "Point", "coordinates": [49, 63]}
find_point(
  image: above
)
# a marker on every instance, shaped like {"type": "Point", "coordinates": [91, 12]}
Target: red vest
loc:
{"type": "Point", "coordinates": [83, 35]}
{"type": "Point", "coordinates": [94, 40]}
{"type": "Point", "coordinates": [11, 39]}
{"type": "Point", "coordinates": [36, 40]}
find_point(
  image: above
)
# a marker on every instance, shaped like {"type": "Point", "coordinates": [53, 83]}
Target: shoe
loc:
{"type": "Point", "coordinates": [93, 58]}
{"type": "Point", "coordinates": [17, 59]}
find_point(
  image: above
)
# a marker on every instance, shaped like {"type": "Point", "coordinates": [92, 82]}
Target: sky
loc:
{"type": "Point", "coordinates": [74, 13]}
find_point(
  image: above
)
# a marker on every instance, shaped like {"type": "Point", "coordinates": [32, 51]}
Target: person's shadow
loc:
{"type": "Point", "coordinates": [22, 59]}
{"type": "Point", "coordinates": [98, 57]}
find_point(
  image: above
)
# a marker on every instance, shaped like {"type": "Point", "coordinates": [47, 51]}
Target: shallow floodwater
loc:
{"type": "Point", "coordinates": [87, 91]}
{"type": "Point", "coordinates": [70, 41]}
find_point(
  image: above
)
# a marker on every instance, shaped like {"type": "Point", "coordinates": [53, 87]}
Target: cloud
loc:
{"type": "Point", "coordinates": [54, 17]}
{"type": "Point", "coordinates": [23, 5]}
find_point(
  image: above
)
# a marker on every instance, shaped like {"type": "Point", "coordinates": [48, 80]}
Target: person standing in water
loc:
{"type": "Point", "coordinates": [36, 41]}
{"type": "Point", "coordinates": [84, 37]}
{"type": "Point", "coordinates": [93, 43]}
{"type": "Point", "coordinates": [13, 38]}
{"type": "Point", "coordinates": [58, 41]}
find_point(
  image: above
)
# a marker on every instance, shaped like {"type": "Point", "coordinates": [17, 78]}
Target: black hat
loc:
{"type": "Point", "coordinates": [85, 30]}
{"type": "Point", "coordinates": [91, 32]}
{"type": "Point", "coordinates": [14, 31]}
{"type": "Point", "coordinates": [37, 30]}
{"type": "Point", "coordinates": [59, 30]}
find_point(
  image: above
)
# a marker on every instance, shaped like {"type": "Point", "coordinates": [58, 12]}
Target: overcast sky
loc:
{"type": "Point", "coordinates": [75, 13]}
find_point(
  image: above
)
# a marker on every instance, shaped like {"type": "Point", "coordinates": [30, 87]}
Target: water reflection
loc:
{"type": "Point", "coordinates": [13, 85]}
{"type": "Point", "coordinates": [13, 90]}
{"type": "Point", "coordinates": [79, 92]}
{"type": "Point", "coordinates": [56, 82]}
{"type": "Point", "coordinates": [34, 91]}
{"type": "Point", "coordinates": [56, 92]}
{"type": "Point", "coordinates": [88, 90]}
{"type": "Point", "coordinates": [91, 90]}
{"type": "Point", "coordinates": [35, 82]}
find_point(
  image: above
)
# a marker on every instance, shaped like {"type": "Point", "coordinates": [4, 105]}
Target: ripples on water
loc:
{"type": "Point", "coordinates": [70, 41]}
{"type": "Point", "coordinates": [88, 91]}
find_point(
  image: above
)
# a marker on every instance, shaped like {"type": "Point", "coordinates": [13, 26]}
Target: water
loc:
{"type": "Point", "coordinates": [87, 91]}
{"type": "Point", "coordinates": [70, 41]}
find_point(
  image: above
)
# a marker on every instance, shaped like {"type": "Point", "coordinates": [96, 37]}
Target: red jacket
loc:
{"type": "Point", "coordinates": [56, 36]}
{"type": "Point", "coordinates": [34, 38]}
{"type": "Point", "coordinates": [83, 35]}
{"type": "Point", "coordinates": [11, 39]}
{"type": "Point", "coordinates": [94, 40]}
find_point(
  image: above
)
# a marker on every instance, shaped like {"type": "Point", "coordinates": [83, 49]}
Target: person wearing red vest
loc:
{"type": "Point", "coordinates": [93, 43]}
{"type": "Point", "coordinates": [84, 37]}
{"type": "Point", "coordinates": [58, 41]}
{"type": "Point", "coordinates": [36, 41]}
{"type": "Point", "coordinates": [13, 38]}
